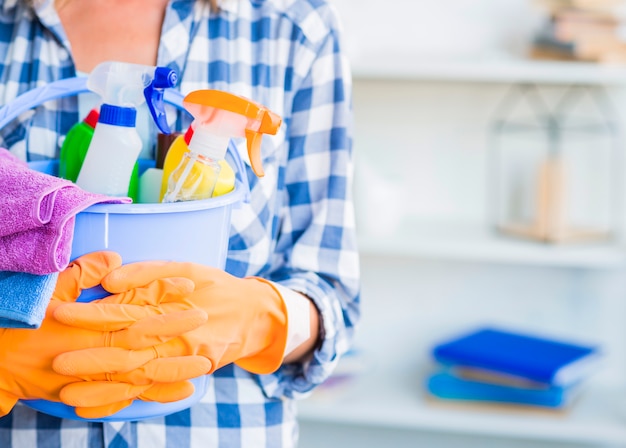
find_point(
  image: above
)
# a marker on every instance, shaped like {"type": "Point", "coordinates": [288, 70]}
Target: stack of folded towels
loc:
{"type": "Point", "coordinates": [38, 214]}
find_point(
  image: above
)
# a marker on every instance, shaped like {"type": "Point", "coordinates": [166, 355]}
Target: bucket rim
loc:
{"type": "Point", "coordinates": [235, 196]}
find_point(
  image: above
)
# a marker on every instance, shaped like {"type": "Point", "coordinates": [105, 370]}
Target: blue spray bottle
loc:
{"type": "Point", "coordinates": [115, 145]}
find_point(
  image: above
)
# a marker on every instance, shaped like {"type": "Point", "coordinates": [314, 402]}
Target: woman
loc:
{"type": "Point", "coordinates": [297, 232]}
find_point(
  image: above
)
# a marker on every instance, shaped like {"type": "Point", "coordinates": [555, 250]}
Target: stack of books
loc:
{"type": "Point", "coordinates": [501, 366]}
{"type": "Point", "coordinates": [582, 30]}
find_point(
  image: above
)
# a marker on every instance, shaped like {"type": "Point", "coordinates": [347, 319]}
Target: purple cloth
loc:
{"type": "Point", "coordinates": [37, 217]}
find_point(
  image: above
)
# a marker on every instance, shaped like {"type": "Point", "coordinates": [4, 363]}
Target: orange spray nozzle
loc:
{"type": "Point", "coordinates": [232, 115]}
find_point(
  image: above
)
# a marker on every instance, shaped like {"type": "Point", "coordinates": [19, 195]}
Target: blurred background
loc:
{"type": "Point", "coordinates": [489, 186]}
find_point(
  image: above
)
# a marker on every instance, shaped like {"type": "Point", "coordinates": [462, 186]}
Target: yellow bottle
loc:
{"type": "Point", "coordinates": [225, 180]}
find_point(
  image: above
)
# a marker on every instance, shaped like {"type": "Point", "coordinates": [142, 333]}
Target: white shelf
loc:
{"type": "Point", "coordinates": [475, 242]}
{"type": "Point", "coordinates": [392, 401]}
{"type": "Point", "coordinates": [502, 70]}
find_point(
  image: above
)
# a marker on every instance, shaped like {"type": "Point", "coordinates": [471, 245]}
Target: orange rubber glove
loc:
{"type": "Point", "coordinates": [27, 355]}
{"type": "Point", "coordinates": [247, 318]}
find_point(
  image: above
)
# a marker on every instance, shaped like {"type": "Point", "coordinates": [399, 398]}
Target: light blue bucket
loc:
{"type": "Point", "coordinates": [194, 231]}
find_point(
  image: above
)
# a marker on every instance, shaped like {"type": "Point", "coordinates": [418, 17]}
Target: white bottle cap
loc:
{"type": "Point", "coordinates": [204, 142]}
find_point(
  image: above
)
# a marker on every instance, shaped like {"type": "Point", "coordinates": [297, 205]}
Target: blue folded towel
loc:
{"type": "Point", "coordinates": [24, 298]}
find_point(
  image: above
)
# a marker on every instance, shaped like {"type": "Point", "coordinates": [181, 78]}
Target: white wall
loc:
{"type": "Point", "coordinates": [440, 28]}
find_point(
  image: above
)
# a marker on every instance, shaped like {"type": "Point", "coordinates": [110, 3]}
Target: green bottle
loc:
{"type": "Point", "coordinates": [133, 186]}
{"type": "Point", "coordinates": [75, 146]}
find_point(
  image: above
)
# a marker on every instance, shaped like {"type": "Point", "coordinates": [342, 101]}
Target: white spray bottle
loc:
{"type": "Point", "coordinates": [218, 116]}
{"type": "Point", "coordinates": [115, 145]}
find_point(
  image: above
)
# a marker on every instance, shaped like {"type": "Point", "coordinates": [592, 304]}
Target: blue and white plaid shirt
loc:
{"type": "Point", "coordinates": [298, 229]}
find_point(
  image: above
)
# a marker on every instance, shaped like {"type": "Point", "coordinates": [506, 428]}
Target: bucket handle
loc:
{"type": "Point", "coordinates": [76, 85]}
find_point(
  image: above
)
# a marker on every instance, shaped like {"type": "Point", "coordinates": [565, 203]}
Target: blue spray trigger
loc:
{"type": "Point", "coordinates": [163, 78]}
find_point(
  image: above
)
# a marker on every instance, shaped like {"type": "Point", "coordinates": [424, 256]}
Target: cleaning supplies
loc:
{"type": "Point", "coordinates": [225, 179]}
{"type": "Point", "coordinates": [133, 185]}
{"type": "Point", "coordinates": [75, 146]}
{"type": "Point", "coordinates": [197, 173]}
{"type": "Point", "coordinates": [218, 116]}
{"type": "Point", "coordinates": [74, 150]}
{"type": "Point", "coordinates": [115, 145]}
{"type": "Point", "coordinates": [151, 179]}
{"type": "Point", "coordinates": [173, 158]}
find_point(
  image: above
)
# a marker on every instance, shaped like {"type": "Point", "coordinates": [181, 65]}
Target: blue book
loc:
{"type": "Point", "coordinates": [447, 385]}
{"type": "Point", "coordinates": [534, 358]}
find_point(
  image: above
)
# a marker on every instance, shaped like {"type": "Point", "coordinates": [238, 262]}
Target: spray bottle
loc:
{"type": "Point", "coordinates": [150, 180]}
{"type": "Point", "coordinates": [218, 116]}
{"type": "Point", "coordinates": [115, 145]}
{"type": "Point", "coordinates": [75, 146]}
{"type": "Point", "coordinates": [179, 147]}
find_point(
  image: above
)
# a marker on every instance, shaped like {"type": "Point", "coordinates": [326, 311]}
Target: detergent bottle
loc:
{"type": "Point", "coordinates": [174, 156]}
{"type": "Point", "coordinates": [149, 188]}
{"type": "Point", "coordinates": [115, 145]}
{"type": "Point", "coordinates": [218, 116]}
{"type": "Point", "coordinates": [74, 147]}
{"type": "Point", "coordinates": [225, 180]}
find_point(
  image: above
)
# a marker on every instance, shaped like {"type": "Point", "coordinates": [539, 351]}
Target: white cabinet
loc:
{"type": "Point", "coordinates": [432, 266]}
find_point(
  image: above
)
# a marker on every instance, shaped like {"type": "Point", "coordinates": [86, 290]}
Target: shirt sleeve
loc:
{"type": "Point", "coordinates": [317, 238]}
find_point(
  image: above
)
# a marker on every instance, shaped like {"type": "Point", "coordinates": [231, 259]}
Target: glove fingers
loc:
{"type": "Point", "coordinates": [116, 312]}
{"type": "Point", "coordinates": [85, 272]}
{"type": "Point", "coordinates": [168, 370]}
{"type": "Point", "coordinates": [158, 329]}
{"type": "Point", "coordinates": [134, 275]}
{"type": "Point", "coordinates": [92, 361]}
{"type": "Point", "coordinates": [161, 393]}
{"type": "Point", "coordinates": [152, 293]}
{"type": "Point", "coordinates": [7, 401]}
{"type": "Point", "coordinates": [87, 394]}
{"type": "Point", "coordinates": [178, 368]}
{"type": "Point", "coordinates": [102, 411]}
{"type": "Point", "coordinates": [100, 317]}
{"type": "Point", "coordinates": [109, 317]}
{"type": "Point", "coordinates": [168, 392]}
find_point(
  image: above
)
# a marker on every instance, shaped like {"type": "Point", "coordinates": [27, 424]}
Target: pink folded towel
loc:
{"type": "Point", "coordinates": [37, 217]}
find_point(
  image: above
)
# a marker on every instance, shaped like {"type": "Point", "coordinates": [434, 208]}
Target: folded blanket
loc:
{"type": "Point", "coordinates": [24, 298]}
{"type": "Point", "coordinates": [38, 215]}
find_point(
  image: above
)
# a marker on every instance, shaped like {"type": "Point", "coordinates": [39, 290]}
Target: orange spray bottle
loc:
{"type": "Point", "coordinates": [219, 116]}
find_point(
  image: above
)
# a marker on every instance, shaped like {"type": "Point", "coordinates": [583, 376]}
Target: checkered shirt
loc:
{"type": "Point", "coordinates": [298, 228]}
